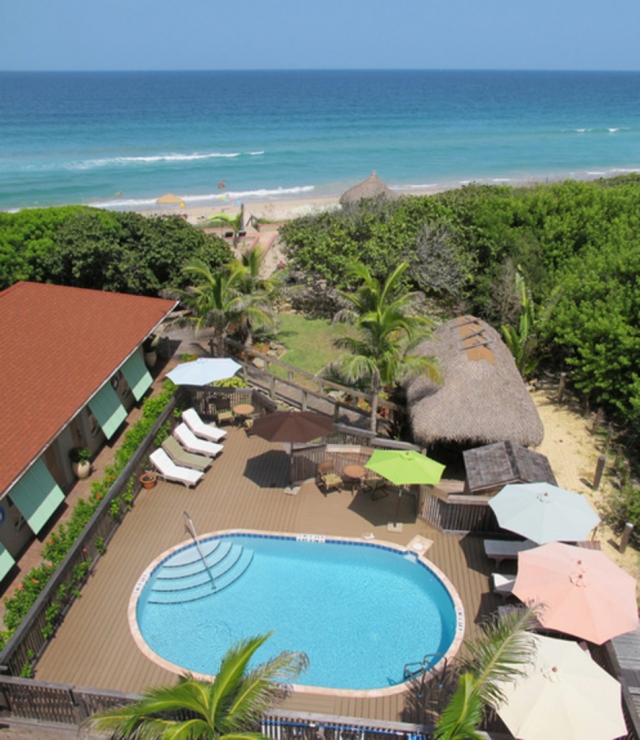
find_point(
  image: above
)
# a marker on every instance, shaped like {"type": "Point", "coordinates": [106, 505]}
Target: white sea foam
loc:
{"type": "Point", "coordinates": [613, 130]}
{"type": "Point", "coordinates": [238, 196]}
{"type": "Point", "coordinates": [88, 164]}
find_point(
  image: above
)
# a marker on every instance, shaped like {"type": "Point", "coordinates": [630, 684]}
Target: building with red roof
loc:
{"type": "Point", "coordinates": [73, 367]}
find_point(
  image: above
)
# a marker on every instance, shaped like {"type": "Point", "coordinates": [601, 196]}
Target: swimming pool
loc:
{"type": "Point", "coordinates": [361, 610]}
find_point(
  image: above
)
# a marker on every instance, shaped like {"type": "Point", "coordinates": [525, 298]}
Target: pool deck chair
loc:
{"type": "Point", "coordinates": [168, 470]}
{"type": "Point", "coordinates": [181, 457]}
{"type": "Point", "coordinates": [207, 431]}
{"type": "Point", "coordinates": [500, 550]}
{"type": "Point", "coordinates": [502, 585]}
{"type": "Point", "coordinates": [190, 442]}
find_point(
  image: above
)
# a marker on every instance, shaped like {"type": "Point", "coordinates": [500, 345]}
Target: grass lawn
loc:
{"type": "Point", "coordinates": [309, 342]}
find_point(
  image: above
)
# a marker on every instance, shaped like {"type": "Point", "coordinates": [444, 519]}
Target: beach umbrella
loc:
{"type": "Point", "coordinates": [544, 513]}
{"type": "Point", "coordinates": [404, 468]}
{"type": "Point", "coordinates": [291, 427]}
{"type": "Point", "coordinates": [204, 370]}
{"type": "Point", "coordinates": [564, 694]}
{"type": "Point", "coordinates": [581, 592]}
{"type": "Point", "coordinates": [170, 200]}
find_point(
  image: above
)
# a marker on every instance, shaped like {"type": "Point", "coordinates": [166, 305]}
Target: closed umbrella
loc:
{"type": "Point", "coordinates": [581, 592]}
{"type": "Point", "coordinates": [204, 370]}
{"type": "Point", "coordinates": [544, 513]}
{"type": "Point", "coordinates": [565, 694]}
{"type": "Point", "coordinates": [404, 468]}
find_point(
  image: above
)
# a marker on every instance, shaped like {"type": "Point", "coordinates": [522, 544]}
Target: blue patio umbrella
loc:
{"type": "Point", "coordinates": [544, 513]}
{"type": "Point", "coordinates": [204, 370]}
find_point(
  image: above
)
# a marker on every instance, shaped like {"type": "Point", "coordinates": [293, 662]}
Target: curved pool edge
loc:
{"type": "Point", "coordinates": [296, 687]}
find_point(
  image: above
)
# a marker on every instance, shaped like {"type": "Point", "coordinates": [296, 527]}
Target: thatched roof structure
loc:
{"type": "Point", "coordinates": [372, 187]}
{"type": "Point", "coordinates": [491, 467]}
{"type": "Point", "coordinates": [482, 399]}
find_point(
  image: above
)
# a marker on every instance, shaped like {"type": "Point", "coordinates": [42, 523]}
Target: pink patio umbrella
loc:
{"type": "Point", "coordinates": [581, 592]}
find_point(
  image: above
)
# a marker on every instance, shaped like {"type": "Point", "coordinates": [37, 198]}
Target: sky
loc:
{"type": "Point", "coordinates": [327, 34]}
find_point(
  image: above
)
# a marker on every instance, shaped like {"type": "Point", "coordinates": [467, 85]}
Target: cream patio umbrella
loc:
{"type": "Point", "coordinates": [581, 592]}
{"type": "Point", "coordinates": [169, 199]}
{"type": "Point", "coordinates": [565, 694]}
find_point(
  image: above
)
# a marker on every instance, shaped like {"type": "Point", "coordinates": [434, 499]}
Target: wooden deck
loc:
{"type": "Point", "coordinates": [243, 488]}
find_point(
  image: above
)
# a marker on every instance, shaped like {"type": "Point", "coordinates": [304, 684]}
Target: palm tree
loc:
{"type": "Point", "coordinates": [381, 354]}
{"type": "Point", "coordinates": [251, 261]}
{"type": "Point", "coordinates": [499, 656]}
{"type": "Point", "coordinates": [217, 300]}
{"type": "Point", "coordinates": [227, 709]}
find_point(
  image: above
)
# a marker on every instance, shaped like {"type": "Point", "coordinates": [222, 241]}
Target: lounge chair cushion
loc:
{"type": "Point", "coordinates": [190, 442]}
{"type": "Point", "coordinates": [200, 429]}
{"type": "Point", "coordinates": [168, 470]}
{"type": "Point", "coordinates": [180, 456]}
{"type": "Point", "coordinates": [500, 550]}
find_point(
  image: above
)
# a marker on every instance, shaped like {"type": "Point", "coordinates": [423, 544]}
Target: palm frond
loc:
{"type": "Point", "coordinates": [501, 654]}
{"type": "Point", "coordinates": [461, 717]}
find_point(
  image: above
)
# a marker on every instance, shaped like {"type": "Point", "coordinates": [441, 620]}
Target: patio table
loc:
{"type": "Point", "coordinates": [355, 473]}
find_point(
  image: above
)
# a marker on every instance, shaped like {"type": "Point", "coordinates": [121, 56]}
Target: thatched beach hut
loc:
{"type": "Point", "coordinates": [372, 187]}
{"type": "Point", "coordinates": [482, 399]}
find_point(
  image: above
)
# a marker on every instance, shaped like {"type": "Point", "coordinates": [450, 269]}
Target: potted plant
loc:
{"type": "Point", "coordinates": [80, 458]}
{"type": "Point", "coordinates": [148, 479]}
{"type": "Point", "coordinates": [149, 347]}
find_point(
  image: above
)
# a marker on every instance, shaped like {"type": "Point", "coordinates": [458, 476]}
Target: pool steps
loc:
{"type": "Point", "coordinates": [184, 578]}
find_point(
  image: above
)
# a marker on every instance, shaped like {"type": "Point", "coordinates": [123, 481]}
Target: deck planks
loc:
{"type": "Point", "coordinates": [242, 489]}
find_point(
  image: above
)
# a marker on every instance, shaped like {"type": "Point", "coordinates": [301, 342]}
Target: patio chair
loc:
{"type": "Point", "coordinates": [180, 456]}
{"type": "Point", "coordinates": [327, 478]}
{"type": "Point", "coordinates": [168, 470]}
{"type": "Point", "coordinates": [223, 411]}
{"type": "Point", "coordinates": [377, 486]}
{"type": "Point", "coordinates": [190, 442]}
{"type": "Point", "coordinates": [500, 550]}
{"type": "Point", "coordinates": [502, 585]}
{"type": "Point", "coordinates": [199, 428]}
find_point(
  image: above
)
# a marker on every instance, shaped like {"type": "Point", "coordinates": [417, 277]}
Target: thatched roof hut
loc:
{"type": "Point", "coordinates": [482, 399]}
{"type": "Point", "coordinates": [372, 187]}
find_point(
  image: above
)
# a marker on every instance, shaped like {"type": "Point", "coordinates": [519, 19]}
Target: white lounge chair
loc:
{"type": "Point", "coordinates": [500, 550]}
{"type": "Point", "coordinates": [190, 442]}
{"type": "Point", "coordinates": [168, 470]}
{"type": "Point", "coordinates": [200, 429]}
{"type": "Point", "coordinates": [502, 585]}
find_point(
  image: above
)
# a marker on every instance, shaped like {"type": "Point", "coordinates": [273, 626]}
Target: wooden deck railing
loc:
{"type": "Point", "coordinates": [69, 705]}
{"type": "Point", "coordinates": [457, 514]}
{"type": "Point", "coordinates": [32, 636]}
{"type": "Point", "coordinates": [313, 386]}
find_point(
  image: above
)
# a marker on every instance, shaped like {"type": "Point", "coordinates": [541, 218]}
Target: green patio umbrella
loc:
{"type": "Point", "coordinates": [404, 468]}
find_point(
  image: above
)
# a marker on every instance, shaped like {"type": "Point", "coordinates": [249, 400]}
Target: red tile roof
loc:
{"type": "Point", "coordinates": [59, 347]}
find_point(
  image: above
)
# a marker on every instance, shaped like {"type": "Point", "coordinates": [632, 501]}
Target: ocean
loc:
{"type": "Point", "coordinates": [122, 139]}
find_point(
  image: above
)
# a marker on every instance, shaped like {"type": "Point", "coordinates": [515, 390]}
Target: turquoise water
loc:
{"type": "Point", "coordinates": [85, 137]}
{"type": "Point", "coordinates": [359, 612]}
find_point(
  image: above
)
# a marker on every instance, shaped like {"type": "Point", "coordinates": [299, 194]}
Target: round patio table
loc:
{"type": "Point", "coordinates": [356, 473]}
{"type": "Point", "coordinates": [242, 410]}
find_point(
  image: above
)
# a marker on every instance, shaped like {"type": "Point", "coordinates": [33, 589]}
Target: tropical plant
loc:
{"type": "Point", "coordinates": [251, 262]}
{"type": "Point", "coordinates": [523, 342]}
{"type": "Point", "coordinates": [381, 354]}
{"type": "Point", "coordinates": [216, 300]}
{"type": "Point", "coordinates": [227, 709]}
{"type": "Point", "coordinates": [499, 656]}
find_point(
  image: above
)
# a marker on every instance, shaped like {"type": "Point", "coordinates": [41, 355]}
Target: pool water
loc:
{"type": "Point", "coordinates": [360, 611]}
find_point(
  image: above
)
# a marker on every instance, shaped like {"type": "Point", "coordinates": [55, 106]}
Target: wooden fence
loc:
{"type": "Point", "coordinates": [33, 634]}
